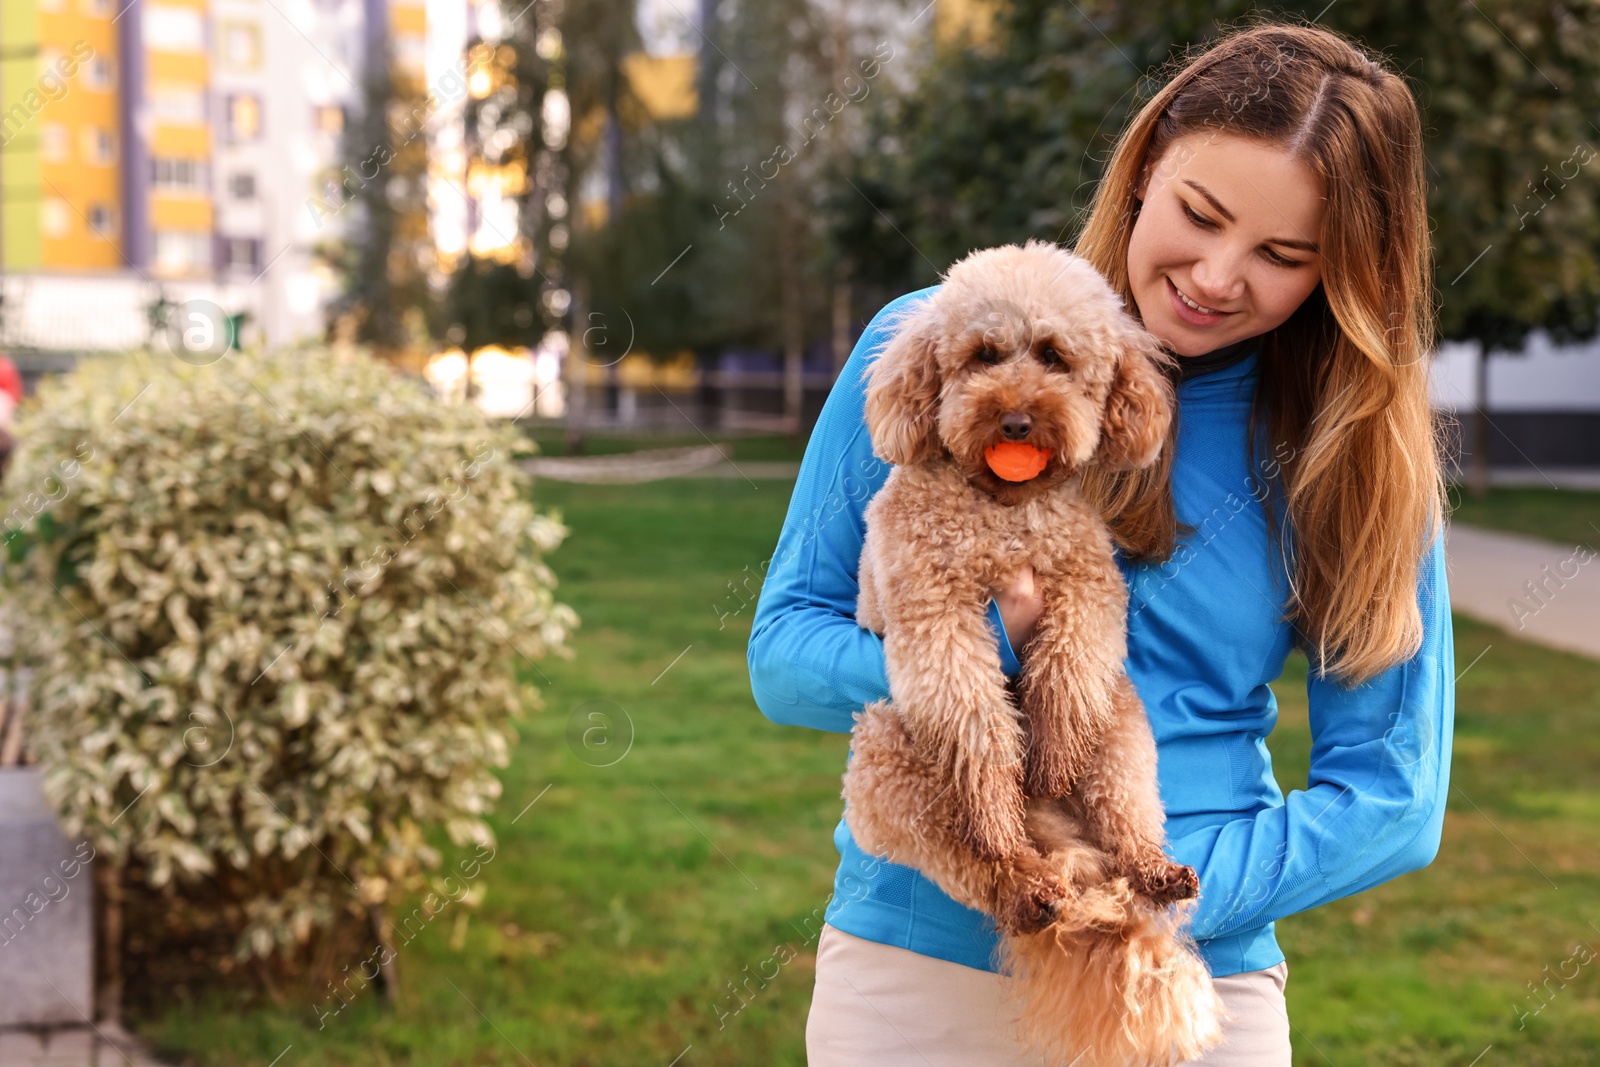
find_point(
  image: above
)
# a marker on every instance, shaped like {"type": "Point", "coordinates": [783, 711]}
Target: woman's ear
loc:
{"type": "Point", "coordinates": [903, 393]}
{"type": "Point", "coordinates": [1138, 408]}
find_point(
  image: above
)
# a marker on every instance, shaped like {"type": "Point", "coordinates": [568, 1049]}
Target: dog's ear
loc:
{"type": "Point", "coordinates": [903, 392]}
{"type": "Point", "coordinates": [1139, 406]}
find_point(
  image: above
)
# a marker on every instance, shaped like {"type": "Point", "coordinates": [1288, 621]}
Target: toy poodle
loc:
{"type": "Point", "coordinates": [1035, 802]}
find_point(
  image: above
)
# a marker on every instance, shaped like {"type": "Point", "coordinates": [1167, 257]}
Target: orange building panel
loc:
{"type": "Point", "coordinates": [174, 213]}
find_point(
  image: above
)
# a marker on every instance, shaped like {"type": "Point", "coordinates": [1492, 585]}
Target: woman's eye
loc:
{"type": "Point", "coordinates": [1272, 257]}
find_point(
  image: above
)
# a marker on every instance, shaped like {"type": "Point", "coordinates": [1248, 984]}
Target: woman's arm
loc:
{"type": "Point", "coordinates": [1375, 799]}
{"type": "Point", "coordinates": [811, 664]}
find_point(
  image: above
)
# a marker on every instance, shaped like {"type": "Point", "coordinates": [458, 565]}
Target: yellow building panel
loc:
{"type": "Point", "coordinates": [408, 19]}
{"type": "Point", "coordinates": [173, 213]}
{"type": "Point", "coordinates": [77, 109]}
{"type": "Point", "coordinates": [192, 67]}
{"type": "Point", "coordinates": [664, 84]}
{"type": "Point", "coordinates": [81, 216]}
{"type": "Point", "coordinates": [20, 216]}
{"type": "Point", "coordinates": [80, 210]}
{"type": "Point", "coordinates": [62, 29]}
{"type": "Point", "coordinates": [962, 23]}
{"type": "Point", "coordinates": [184, 142]}
{"type": "Point", "coordinates": [80, 185]}
{"type": "Point", "coordinates": [85, 252]}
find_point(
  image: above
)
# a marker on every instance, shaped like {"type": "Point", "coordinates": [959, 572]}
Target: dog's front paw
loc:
{"type": "Point", "coordinates": [1030, 900]}
{"type": "Point", "coordinates": [1164, 882]}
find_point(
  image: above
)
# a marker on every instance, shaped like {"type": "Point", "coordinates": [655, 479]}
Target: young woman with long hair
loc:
{"type": "Point", "coordinates": [1264, 215]}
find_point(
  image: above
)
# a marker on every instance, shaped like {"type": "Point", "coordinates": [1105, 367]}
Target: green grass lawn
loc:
{"type": "Point", "coordinates": [1564, 516]}
{"type": "Point", "coordinates": [552, 442]}
{"type": "Point", "coordinates": [626, 902]}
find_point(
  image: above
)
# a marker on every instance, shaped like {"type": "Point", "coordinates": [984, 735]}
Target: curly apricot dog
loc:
{"type": "Point", "coordinates": [989, 400]}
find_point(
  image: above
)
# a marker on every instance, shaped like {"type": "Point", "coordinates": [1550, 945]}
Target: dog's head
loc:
{"type": "Point", "coordinates": [1024, 344]}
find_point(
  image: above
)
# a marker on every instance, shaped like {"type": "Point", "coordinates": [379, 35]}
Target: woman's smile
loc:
{"type": "Point", "coordinates": [1190, 310]}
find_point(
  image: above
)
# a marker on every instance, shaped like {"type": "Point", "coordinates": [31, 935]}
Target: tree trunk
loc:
{"type": "Point", "coordinates": [793, 328]}
{"type": "Point", "coordinates": [841, 315]}
{"type": "Point", "coordinates": [576, 369]}
{"type": "Point", "coordinates": [388, 972]}
{"type": "Point", "coordinates": [707, 396]}
{"type": "Point", "coordinates": [108, 881]}
{"type": "Point", "coordinates": [1478, 478]}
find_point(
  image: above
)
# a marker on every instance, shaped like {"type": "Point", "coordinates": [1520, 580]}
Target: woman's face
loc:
{"type": "Point", "coordinates": [1232, 225]}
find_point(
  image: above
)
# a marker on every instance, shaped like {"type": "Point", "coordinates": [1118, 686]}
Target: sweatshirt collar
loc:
{"type": "Point", "coordinates": [1207, 363]}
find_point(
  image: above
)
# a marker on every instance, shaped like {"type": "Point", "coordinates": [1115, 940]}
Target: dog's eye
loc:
{"type": "Point", "coordinates": [1051, 358]}
{"type": "Point", "coordinates": [988, 355]}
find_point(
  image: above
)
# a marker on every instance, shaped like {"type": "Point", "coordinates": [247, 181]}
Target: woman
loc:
{"type": "Point", "coordinates": [1264, 216]}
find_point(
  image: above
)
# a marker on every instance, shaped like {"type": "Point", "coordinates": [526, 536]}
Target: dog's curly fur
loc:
{"type": "Point", "coordinates": [1043, 812]}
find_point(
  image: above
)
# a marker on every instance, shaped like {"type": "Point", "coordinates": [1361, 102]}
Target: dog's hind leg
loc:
{"type": "Point", "coordinates": [894, 809]}
{"type": "Point", "coordinates": [1120, 803]}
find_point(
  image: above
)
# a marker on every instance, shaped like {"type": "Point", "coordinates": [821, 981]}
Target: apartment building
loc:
{"type": "Point", "coordinates": [172, 148]}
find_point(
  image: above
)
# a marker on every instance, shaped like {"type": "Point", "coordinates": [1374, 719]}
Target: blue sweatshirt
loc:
{"type": "Point", "coordinates": [1206, 635]}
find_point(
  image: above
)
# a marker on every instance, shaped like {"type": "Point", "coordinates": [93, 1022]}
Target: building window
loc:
{"type": "Point", "coordinates": [242, 186]}
{"type": "Point", "coordinates": [244, 117]}
{"type": "Point", "coordinates": [329, 118]}
{"type": "Point", "coordinates": [55, 143]}
{"type": "Point", "coordinates": [182, 250]}
{"type": "Point", "coordinates": [102, 221]}
{"type": "Point", "coordinates": [174, 29]}
{"type": "Point", "coordinates": [242, 252]}
{"type": "Point", "coordinates": [188, 175]}
{"type": "Point", "coordinates": [56, 217]}
{"type": "Point", "coordinates": [178, 105]}
{"type": "Point", "coordinates": [99, 146]}
{"type": "Point", "coordinates": [241, 45]}
{"type": "Point", "coordinates": [100, 75]}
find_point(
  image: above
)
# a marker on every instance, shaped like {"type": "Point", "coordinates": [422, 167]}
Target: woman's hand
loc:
{"type": "Point", "coordinates": [1020, 608]}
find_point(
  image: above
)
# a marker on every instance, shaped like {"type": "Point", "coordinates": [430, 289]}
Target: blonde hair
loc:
{"type": "Point", "coordinates": [1344, 381]}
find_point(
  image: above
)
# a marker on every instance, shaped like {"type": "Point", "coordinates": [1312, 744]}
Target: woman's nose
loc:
{"type": "Point", "coordinates": [1218, 281]}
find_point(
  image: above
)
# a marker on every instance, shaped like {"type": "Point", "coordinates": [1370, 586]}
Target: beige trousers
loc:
{"type": "Point", "coordinates": [887, 1006]}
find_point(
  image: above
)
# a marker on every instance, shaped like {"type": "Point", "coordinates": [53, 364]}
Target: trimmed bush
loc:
{"type": "Point", "coordinates": [277, 610]}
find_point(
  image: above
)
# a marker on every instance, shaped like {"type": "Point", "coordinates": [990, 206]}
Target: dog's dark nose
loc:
{"type": "Point", "coordinates": [1015, 425]}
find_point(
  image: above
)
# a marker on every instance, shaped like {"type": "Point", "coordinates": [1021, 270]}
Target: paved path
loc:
{"type": "Point", "coordinates": [72, 1046]}
{"type": "Point", "coordinates": [1554, 477]}
{"type": "Point", "coordinates": [1536, 590]}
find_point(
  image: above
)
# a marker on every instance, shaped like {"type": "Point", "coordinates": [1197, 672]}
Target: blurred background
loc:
{"type": "Point", "coordinates": [273, 273]}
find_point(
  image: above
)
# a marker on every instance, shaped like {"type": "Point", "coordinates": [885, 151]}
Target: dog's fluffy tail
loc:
{"type": "Point", "coordinates": [1088, 996]}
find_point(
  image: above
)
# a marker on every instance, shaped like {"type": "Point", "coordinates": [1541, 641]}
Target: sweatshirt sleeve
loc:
{"type": "Point", "coordinates": [1374, 804]}
{"type": "Point", "coordinates": [811, 664]}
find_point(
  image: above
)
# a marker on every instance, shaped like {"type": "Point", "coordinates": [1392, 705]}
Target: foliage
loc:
{"type": "Point", "coordinates": [492, 303]}
{"type": "Point", "coordinates": [274, 610]}
{"type": "Point", "coordinates": [383, 249]}
{"type": "Point", "coordinates": [1005, 140]}
{"type": "Point", "coordinates": [1508, 93]}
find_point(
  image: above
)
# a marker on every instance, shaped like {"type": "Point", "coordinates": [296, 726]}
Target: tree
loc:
{"type": "Point", "coordinates": [1508, 94]}
{"type": "Point", "coordinates": [384, 249]}
{"type": "Point", "coordinates": [1006, 140]}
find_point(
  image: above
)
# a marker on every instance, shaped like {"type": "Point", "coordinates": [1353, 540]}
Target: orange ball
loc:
{"type": "Point", "coordinates": [1016, 461]}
